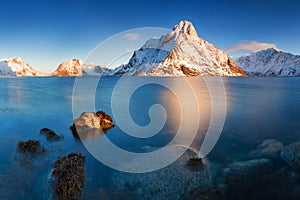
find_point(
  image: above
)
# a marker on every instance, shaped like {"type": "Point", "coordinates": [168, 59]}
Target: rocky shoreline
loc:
{"type": "Point", "coordinates": [269, 171]}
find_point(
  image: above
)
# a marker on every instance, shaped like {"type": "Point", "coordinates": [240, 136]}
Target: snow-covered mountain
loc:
{"type": "Point", "coordinates": [16, 67]}
{"type": "Point", "coordinates": [69, 68]}
{"type": "Point", "coordinates": [180, 53]}
{"type": "Point", "coordinates": [270, 62]}
{"type": "Point", "coordinates": [76, 67]}
{"type": "Point", "coordinates": [95, 70]}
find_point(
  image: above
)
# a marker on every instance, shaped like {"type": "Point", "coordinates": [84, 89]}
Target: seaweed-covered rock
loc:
{"type": "Point", "coordinates": [175, 181]}
{"type": "Point", "coordinates": [30, 146]}
{"type": "Point", "coordinates": [91, 124]}
{"type": "Point", "coordinates": [50, 134]}
{"type": "Point", "coordinates": [267, 149]}
{"type": "Point", "coordinates": [70, 175]}
{"type": "Point", "coordinates": [291, 155]}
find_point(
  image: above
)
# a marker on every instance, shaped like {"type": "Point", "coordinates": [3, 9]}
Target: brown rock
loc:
{"type": "Point", "coordinates": [50, 134]}
{"type": "Point", "coordinates": [30, 146]}
{"type": "Point", "coordinates": [70, 175]}
{"type": "Point", "coordinates": [91, 124]}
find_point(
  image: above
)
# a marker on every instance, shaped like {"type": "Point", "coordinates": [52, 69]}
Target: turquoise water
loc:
{"type": "Point", "coordinates": [258, 109]}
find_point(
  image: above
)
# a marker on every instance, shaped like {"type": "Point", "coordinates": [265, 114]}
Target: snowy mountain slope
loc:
{"type": "Point", "coordinates": [180, 53]}
{"type": "Point", "coordinates": [270, 62]}
{"type": "Point", "coordinates": [69, 68]}
{"type": "Point", "coordinates": [16, 67]}
{"type": "Point", "coordinates": [76, 67]}
{"type": "Point", "coordinates": [95, 70]}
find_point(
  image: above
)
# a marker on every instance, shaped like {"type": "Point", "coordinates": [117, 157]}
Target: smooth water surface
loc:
{"type": "Point", "coordinates": [257, 109]}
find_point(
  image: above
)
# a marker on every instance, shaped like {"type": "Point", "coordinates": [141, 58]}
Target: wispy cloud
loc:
{"type": "Point", "coordinates": [132, 36]}
{"type": "Point", "coordinates": [127, 50]}
{"type": "Point", "coordinates": [249, 46]}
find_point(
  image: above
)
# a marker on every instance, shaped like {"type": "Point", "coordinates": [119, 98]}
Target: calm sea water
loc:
{"type": "Point", "coordinates": [257, 109]}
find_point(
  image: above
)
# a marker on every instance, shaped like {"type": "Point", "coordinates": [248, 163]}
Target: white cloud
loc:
{"type": "Point", "coordinates": [132, 36]}
{"type": "Point", "coordinates": [253, 46]}
{"type": "Point", "coordinates": [127, 50]}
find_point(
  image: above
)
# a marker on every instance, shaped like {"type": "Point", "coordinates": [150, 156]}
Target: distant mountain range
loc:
{"type": "Point", "coordinates": [270, 62]}
{"type": "Point", "coordinates": [179, 53]}
{"type": "Point", "coordinates": [74, 67]}
{"type": "Point", "coordinates": [16, 67]}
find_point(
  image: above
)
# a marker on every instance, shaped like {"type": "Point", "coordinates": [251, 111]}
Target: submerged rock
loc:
{"type": "Point", "coordinates": [110, 194]}
{"type": "Point", "coordinates": [212, 194]}
{"type": "Point", "coordinates": [291, 155]}
{"type": "Point", "coordinates": [242, 176]}
{"type": "Point", "coordinates": [194, 163]}
{"type": "Point", "coordinates": [90, 124]}
{"type": "Point", "coordinates": [50, 134]}
{"type": "Point", "coordinates": [30, 146]}
{"type": "Point", "coordinates": [267, 149]}
{"type": "Point", "coordinates": [70, 175]}
{"type": "Point", "coordinates": [241, 172]}
{"type": "Point", "coordinates": [175, 181]}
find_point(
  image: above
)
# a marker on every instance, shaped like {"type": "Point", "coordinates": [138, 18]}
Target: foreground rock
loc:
{"type": "Point", "coordinates": [50, 134]}
{"type": "Point", "coordinates": [30, 146]}
{"type": "Point", "coordinates": [175, 181]}
{"type": "Point", "coordinates": [105, 120]}
{"type": "Point", "coordinates": [70, 174]}
{"type": "Point", "coordinates": [291, 155]}
{"type": "Point", "coordinates": [90, 124]}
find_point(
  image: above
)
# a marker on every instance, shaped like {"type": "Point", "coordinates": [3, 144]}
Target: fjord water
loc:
{"type": "Point", "coordinates": [257, 109]}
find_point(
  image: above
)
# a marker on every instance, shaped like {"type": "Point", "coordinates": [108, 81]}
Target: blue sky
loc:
{"type": "Point", "coordinates": [44, 33]}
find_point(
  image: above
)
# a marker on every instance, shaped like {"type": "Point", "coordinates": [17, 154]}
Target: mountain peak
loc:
{"type": "Point", "coordinates": [186, 27]}
{"type": "Point", "coordinates": [69, 68]}
{"type": "Point", "coordinates": [180, 53]}
{"type": "Point", "coordinates": [271, 50]}
{"type": "Point", "coordinates": [274, 49]}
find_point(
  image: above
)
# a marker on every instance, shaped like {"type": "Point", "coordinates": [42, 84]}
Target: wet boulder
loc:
{"type": "Point", "coordinates": [291, 155]}
{"type": "Point", "coordinates": [69, 176]}
{"type": "Point", "coordinates": [50, 134]}
{"type": "Point", "coordinates": [30, 146]}
{"type": "Point", "coordinates": [104, 116]}
{"type": "Point", "coordinates": [106, 121]}
{"type": "Point", "coordinates": [91, 124]}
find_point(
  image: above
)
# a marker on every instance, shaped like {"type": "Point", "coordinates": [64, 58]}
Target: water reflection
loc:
{"type": "Point", "coordinates": [174, 106]}
{"type": "Point", "coordinates": [16, 94]}
{"type": "Point", "coordinates": [212, 102]}
{"type": "Point", "coordinates": [86, 133]}
{"type": "Point", "coordinates": [259, 109]}
{"type": "Point", "coordinates": [186, 101]}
